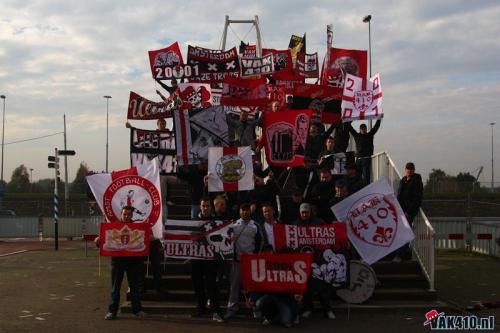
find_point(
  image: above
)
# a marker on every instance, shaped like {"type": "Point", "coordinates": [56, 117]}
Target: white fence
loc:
{"type": "Point", "coordinates": [423, 245]}
{"type": "Point", "coordinates": [31, 227]}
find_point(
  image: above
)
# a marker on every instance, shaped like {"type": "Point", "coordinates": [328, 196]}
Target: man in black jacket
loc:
{"type": "Point", "coordinates": [410, 198]}
{"type": "Point", "coordinates": [364, 148]}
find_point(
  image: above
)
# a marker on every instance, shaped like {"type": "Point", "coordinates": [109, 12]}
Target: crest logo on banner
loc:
{"type": "Point", "coordinates": [138, 187]}
{"type": "Point", "coordinates": [124, 239]}
{"type": "Point", "coordinates": [361, 99]}
{"type": "Point", "coordinates": [341, 63]}
{"type": "Point", "coordinates": [195, 95]}
{"type": "Point", "coordinates": [230, 169]}
{"type": "Point", "coordinates": [375, 222]}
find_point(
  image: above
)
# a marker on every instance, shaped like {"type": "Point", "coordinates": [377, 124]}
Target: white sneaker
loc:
{"type": "Point", "coordinates": [330, 315]}
{"type": "Point", "coordinates": [306, 314]}
{"type": "Point", "coordinates": [266, 322]}
{"type": "Point", "coordinates": [397, 259]}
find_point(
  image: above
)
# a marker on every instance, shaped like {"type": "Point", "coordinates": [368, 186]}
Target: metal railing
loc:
{"type": "Point", "coordinates": [31, 227]}
{"type": "Point", "coordinates": [424, 243]}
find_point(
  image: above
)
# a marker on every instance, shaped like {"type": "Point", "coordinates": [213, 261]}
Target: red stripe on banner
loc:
{"type": "Point", "coordinates": [348, 98]}
{"type": "Point", "coordinates": [230, 187]}
{"type": "Point", "coordinates": [182, 120]}
{"type": "Point", "coordinates": [363, 84]}
{"type": "Point", "coordinates": [484, 236]}
{"type": "Point", "coordinates": [456, 236]}
{"type": "Point", "coordinates": [168, 236]}
{"type": "Point", "coordinates": [122, 173]}
{"type": "Point", "coordinates": [377, 96]}
{"type": "Point", "coordinates": [362, 115]}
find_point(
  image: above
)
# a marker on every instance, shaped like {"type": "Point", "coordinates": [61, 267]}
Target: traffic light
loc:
{"type": "Point", "coordinates": [53, 162]}
{"type": "Point", "coordinates": [66, 153]}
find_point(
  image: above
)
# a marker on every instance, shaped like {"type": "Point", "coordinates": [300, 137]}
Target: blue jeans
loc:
{"type": "Point", "coordinates": [120, 266]}
{"type": "Point", "coordinates": [277, 308]}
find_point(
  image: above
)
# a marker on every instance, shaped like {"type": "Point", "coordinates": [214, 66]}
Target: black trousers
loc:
{"type": "Point", "coordinates": [204, 276]}
{"type": "Point", "coordinates": [132, 266]}
{"type": "Point", "coordinates": [322, 289]}
{"type": "Point", "coordinates": [155, 258]}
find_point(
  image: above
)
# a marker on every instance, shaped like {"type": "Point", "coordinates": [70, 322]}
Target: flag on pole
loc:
{"type": "Point", "coordinates": [362, 99]}
{"type": "Point", "coordinates": [376, 224]}
{"type": "Point", "coordinates": [138, 187]}
{"type": "Point", "coordinates": [230, 169]}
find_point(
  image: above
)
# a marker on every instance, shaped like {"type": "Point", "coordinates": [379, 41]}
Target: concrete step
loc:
{"type": "Point", "coordinates": [389, 267]}
{"type": "Point", "coordinates": [402, 280]}
{"type": "Point", "coordinates": [184, 309]}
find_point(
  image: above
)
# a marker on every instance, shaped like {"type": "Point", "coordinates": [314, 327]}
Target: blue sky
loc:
{"type": "Point", "coordinates": [438, 62]}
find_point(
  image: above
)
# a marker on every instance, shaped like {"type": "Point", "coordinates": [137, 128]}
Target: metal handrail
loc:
{"type": "Point", "coordinates": [424, 243]}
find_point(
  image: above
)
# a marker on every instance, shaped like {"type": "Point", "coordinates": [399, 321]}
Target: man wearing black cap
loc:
{"type": "Point", "coordinates": [364, 148]}
{"type": "Point", "coordinates": [410, 198]}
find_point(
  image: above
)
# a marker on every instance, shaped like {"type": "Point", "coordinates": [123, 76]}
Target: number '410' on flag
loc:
{"type": "Point", "coordinates": [376, 224]}
{"type": "Point", "coordinates": [362, 99]}
{"type": "Point", "coordinates": [230, 169]}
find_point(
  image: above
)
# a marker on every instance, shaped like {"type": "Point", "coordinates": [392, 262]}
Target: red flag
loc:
{"type": "Point", "coordinates": [341, 63]}
{"type": "Point", "coordinates": [124, 239]}
{"type": "Point", "coordinates": [282, 60]}
{"type": "Point", "coordinates": [285, 136]}
{"type": "Point", "coordinates": [244, 92]}
{"type": "Point", "coordinates": [140, 108]}
{"type": "Point", "coordinates": [324, 101]}
{"type": "Point", "coordinates": [276, 273]}
{"type": "Point", "coordinates": [169, 57]}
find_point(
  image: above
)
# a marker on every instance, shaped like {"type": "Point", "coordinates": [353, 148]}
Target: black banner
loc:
{"type": "Point", "coordinates": [146, 145]}
{"type": "Point", "coordinates": [213, 65]}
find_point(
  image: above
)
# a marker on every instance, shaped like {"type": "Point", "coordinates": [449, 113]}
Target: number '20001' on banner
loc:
{"type": "Point", "coordinates": [280, 273]}
{"type": "Point", "coordinates": [124, 239]}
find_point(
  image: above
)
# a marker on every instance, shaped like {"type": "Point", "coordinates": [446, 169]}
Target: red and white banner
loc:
{"type": "Point", "coordinates": [213, 65]}
{"type": "Point", "coordinates": [362, 99]}
{"type": "Point", "coordinates": [276, 273]}
{"type": "Point", "coordinates": [124, 239]}
{"type": "Point", "coordinates": [244, 92]}
{"type": "Point", "coordinates": [376, 224]}
{"type": "Point", "coordinates": [282, 60]}
{"type": "Point", "coordinates": [195, 95]}
{"type": "Point", "coordinates": [140, 108]}
{"type": "Point", "coordinates": [183, 140]}
{"type": "Point", "coordinates": [257, 66]}
{"type": "Point", "coordinates": [138, 187]}
{"type": "Point", "coordinates": [288, 81]}
{"type": "Point", "coordinates": [307, 65]}
{"type": "Point", "coordinates": [285, 137]}
{"type": "Point", "coordinates": [320, 237]}
{"type": "Point", "coordinates": [341, 63]}
{"type": "Point", "coordinates": [230, 169]}
{"type": "Point", "coordinates": [167, 63]}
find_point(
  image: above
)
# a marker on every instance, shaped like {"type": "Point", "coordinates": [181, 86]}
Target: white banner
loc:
{"type": "Point", "coordinates": [362, 99]}
{"type": "Point", "coordinates": [376, 224]}
{"type": "Point", "coordinates": [138, 187]}
{"type": "Point", "coordinates": [230, 169]}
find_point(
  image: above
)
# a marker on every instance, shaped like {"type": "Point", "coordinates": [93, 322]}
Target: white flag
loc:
{"type": "Point", "coordinates": [230, 169]}
{"type": "Point", "coordinates": [376, 224]}
{"type": "Point", "coordinates": [362, 99]}
{"type": "Point", "coordinates": [138, 187]}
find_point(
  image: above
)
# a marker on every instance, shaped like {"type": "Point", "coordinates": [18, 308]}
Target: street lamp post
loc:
{"type": "Point", "coordinates": [107, 130]}
{"type": "Point", "coordinates": [31, 179]}
{"type": "Point", "coordinates": [492, 163]}
{"type": "Point", "coordinates": [368, 19]}
{"type": "Point", "coordinates": [3, 133]}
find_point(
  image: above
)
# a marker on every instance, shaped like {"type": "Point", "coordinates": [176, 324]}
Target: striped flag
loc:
{"type": "Point", "coordinates": [230, 169]}
{"type": "Point", "coordinates": [183, 138]}
{"type": "Point", "coordinates": [196, 239]}
{"type": "Point", "coordinates": [362, 99]}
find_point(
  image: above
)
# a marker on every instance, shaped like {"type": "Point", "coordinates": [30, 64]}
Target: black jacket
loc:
{"type": "Point", "coordinates": [410, 194]}
{"type": "Point", "coordinates": [364, 142]}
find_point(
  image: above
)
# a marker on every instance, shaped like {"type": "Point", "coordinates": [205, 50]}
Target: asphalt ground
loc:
{"type": "Point", "coordinates": [42, 290]}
